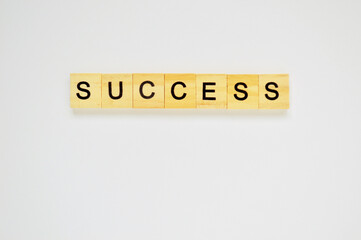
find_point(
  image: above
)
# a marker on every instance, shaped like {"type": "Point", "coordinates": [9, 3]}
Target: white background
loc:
{"type": "Point", "coordinates": [180, 174]}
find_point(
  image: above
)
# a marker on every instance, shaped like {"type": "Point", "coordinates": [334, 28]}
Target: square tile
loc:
{"type": "Point", "coordinates": [180, 90]}
{"type": "Point", "coordinates": [273, 91]}
{"type": "Point", "coordinates": [211, 90]}
{"type": "Point", "coordinates": [242, 91]}
{"type": "Point", "coordinates": [148, 90]}
{"type": "Point", "coordinates": [85, 90]}
{"type": "Point", "coordinates": [117, 90]}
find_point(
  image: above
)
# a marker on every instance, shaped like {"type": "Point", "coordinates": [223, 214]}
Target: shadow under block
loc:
{"type": "Point", "coordinates": [85, 90]}
{"type": "Point", "coordinates": [148, 90]}
{"type": "Point", "coordinates": [242, 91]}
{"type": "Point", "coordinates": [117, 90]}
{"type": "Point", "coordinates": [180, 90]}
{"type": "Point", "coordinates": [211, 90]}
{"type": "Point", "coordinates": [273, 91]}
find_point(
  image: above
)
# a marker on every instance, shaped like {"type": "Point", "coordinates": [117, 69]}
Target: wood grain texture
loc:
{"type": "Point", "coordinates": [152, 87]}
{"type": "Point", "coordinates": [120, 94]}
{"type": "Point", "coordinates": [86, 86]}
{"type": "Point", "coordinates": [188, 90]}
{"type": "Point", "coordinates": [184, 89]}
{"type": "Point", "coordinates": [242, 100]}
{"type": "Point", "coordinates": [211, 90]}
{"type": "Point", "coordinates": [277, 94]}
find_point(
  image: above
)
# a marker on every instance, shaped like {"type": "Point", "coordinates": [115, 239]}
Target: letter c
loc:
{"type": "Point", "coordinates": [141, 89]}
{"type": "Point", "coordinates": [172, 91]}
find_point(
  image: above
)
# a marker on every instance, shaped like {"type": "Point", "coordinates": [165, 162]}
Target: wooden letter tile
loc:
{"type": "Point", "coordinates": [117, 90]}
{"type": "Point", "coordinates": [273, 91]}
{"type": "Point", "coordinates": [180, 90]}
{"type": "Point", "coordinates": [148, 90]}
{"type": "Point", "coordinates": [211, 90]}
{"type": "Point", "coordinates": [85, 90]}
{"type": "Point", "coordinates": [242, 91]}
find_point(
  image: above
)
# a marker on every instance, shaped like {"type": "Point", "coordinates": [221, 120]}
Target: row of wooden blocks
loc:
{"type": "Point", "coordinates": [157, 90]}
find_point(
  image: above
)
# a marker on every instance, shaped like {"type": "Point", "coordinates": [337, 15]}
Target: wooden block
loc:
{"type": "Point", "coordinates": [180, 90]}
{"type": "Point", "coordinates": [273, 91]}
{"type": "Point", "coordinates": [242, 91]}
{"type": "Point", "coordinates": [148, 90]}
{"type": "Point", "coordinates": [117, 90]}
{"type": "Point", "coordinates": [85, 90]}
{"type": "Point", "coordinates": [211, 90]}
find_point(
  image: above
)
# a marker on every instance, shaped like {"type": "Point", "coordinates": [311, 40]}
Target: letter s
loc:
{"type": "Point", "coordinates": [241, 91]}
{"type": "Point", "coordinates": [83, 90]}
{"type": "Point", "coordinates": [272, 90]}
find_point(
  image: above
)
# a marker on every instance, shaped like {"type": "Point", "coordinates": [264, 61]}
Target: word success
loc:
{"type": "Point", "coordinates": [158, 90]}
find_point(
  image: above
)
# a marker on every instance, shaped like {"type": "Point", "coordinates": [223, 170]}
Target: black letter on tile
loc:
{"type": "Point", "coordinates": [83, 90]}
{"type": "Point", "coordinates": [241, 91]}
{"type": "Point", "coordinates": [205, 84]}
{"type": "Point", "coordinates": [141, 89]}
{"type": "Point", "coordinates": [272, 90]}
{"type": "Point", "coordinates": [120, 91]}
{"type": "Point", "coordinates": [172, 91]}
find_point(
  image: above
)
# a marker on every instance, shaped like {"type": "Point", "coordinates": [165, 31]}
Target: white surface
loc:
{"type": "Point", "coordinates": [180, 174]}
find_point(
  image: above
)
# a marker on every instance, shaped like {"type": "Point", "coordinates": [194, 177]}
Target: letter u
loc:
{"type": "Point", "coordinates": [120, 91]}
